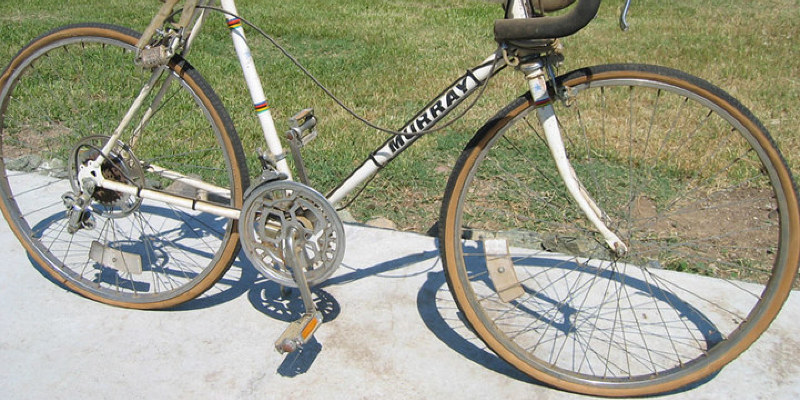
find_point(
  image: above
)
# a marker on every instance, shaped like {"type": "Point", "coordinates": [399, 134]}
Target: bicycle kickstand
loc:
{"type": "Point", "coordinates": [299, 332]}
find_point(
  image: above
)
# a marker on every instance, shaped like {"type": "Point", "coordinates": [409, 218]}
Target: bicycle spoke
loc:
{"type": "Point", "coordinates": [674, 176]}
{"type": "Point", "coordinates": [118, 248]}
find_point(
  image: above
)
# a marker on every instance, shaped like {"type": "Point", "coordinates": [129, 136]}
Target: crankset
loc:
{"type": "Point", "coordinates": [272, 211]}
{"type": "Point", "coordinates": [294, 237]}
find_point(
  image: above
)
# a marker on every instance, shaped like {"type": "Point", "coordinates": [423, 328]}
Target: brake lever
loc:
{"type": "Point", "coordinates": [623, 22]}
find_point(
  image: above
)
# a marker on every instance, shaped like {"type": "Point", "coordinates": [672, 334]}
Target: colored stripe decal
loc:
{"type": "Point", "coordinates": [542, 102]}
{"type": "Point", "coordinates": [234, 23]}
{"type": "Point", "coordinates": [261, 107]}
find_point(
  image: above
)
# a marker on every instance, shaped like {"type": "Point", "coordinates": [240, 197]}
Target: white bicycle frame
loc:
{"type": "Point", "coordinates": [451, 97]}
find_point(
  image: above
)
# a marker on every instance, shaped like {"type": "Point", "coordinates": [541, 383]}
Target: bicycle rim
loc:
{"type": "Point", "coordinates": [689, 180]}
{"type": "Point", "coordinates": [61, 98]}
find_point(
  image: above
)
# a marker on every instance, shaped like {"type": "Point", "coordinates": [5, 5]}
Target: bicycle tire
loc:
{"type": "Point", "coordinates": [689, 179]}
{"type": "Point", "coordinates": [61, 97]}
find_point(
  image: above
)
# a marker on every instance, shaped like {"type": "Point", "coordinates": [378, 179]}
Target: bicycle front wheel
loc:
{"type": "Point", "coordinates": [682, 173]}
{"type": "Point", "coordinates": [61, 98]}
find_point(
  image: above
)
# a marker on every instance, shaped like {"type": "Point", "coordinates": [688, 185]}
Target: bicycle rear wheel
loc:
{"type": "Point", "coordinates": [61, 98]}
{"type": "Point", "coordinates": [689, 180]}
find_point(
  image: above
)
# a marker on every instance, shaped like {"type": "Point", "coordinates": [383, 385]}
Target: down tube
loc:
{"type": "Point", "coordinates": [451, 97]}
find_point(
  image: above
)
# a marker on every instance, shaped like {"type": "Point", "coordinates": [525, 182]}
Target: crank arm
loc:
{"type": "Point", "coordinates": [299, 332]}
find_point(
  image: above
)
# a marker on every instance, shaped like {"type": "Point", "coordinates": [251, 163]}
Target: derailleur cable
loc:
{"type": "Point", "coordinates": [341, 103]}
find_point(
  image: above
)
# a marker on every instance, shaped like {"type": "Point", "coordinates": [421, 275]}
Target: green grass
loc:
{"type": "Point", "coordinates": [387, 59]}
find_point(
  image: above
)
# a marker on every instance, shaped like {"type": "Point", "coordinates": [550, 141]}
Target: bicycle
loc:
{"type": "Point", "coordinates": [567, 229]}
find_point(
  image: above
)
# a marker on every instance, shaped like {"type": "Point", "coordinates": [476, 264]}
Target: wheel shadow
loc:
{"type": "Point", "coordinates": [434, 304]}
{"type": "Point", "coordinates": [286, 305]}
{"type": "Point", "coordinates": [442, 316]}
{"type": "Point", "coordinates": [183, 232]}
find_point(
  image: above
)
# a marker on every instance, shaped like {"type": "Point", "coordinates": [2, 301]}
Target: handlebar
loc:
{"type": "Point", "coordinates": [547, 27]}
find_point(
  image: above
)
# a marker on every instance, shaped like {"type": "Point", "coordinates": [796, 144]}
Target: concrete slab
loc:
{"type": "Point", "coordinates": [391, 332]}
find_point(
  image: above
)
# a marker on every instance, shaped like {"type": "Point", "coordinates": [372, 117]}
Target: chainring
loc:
{"type": "Point", "coordinates": [271, 211]}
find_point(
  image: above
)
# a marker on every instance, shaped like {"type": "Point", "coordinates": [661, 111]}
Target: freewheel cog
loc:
{"type": "Point", "coordinates": [120, 165]}
{"type": "Point", "coordinates": [269, 212]}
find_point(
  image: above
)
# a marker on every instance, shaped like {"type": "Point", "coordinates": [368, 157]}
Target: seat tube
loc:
{"type": "Point", "coordinates": [537, 81]}
{"type": "Point", "coordinates": [253, 81]}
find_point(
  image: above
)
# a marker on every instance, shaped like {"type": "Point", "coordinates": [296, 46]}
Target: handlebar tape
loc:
{"type": "Point", "coordinates": [547, 27]}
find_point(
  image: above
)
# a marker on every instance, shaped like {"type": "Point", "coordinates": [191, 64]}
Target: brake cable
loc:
{"type": "Point", "coordinates": [339, 102]}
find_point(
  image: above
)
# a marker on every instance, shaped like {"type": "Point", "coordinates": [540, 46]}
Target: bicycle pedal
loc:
{"type": "Point", "coordinates": [298, 333]}
{"type": "Point", "coordinates": [302, 127]}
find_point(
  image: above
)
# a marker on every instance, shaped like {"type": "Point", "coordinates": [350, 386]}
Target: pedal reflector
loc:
{"type": "Point", "coordinates": [298, 333]}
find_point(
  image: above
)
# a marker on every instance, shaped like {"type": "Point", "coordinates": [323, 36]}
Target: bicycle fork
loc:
{"type": "Point", "coordinates": [499, 262]}
{"type": "Point", "coordinates": [537, 81]}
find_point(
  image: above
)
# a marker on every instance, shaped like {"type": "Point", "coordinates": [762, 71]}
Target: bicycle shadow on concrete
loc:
{"type": "Point", "coordinates": [236, 281]}
{"type": "Point", "coordinates": [443, 318]}
{"type": "Point", "coordinates": [434, 303]}
{"type": "Point", "coordinates": [286, 305]}
{"type": "Point", "coordinates": [266, 296]}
